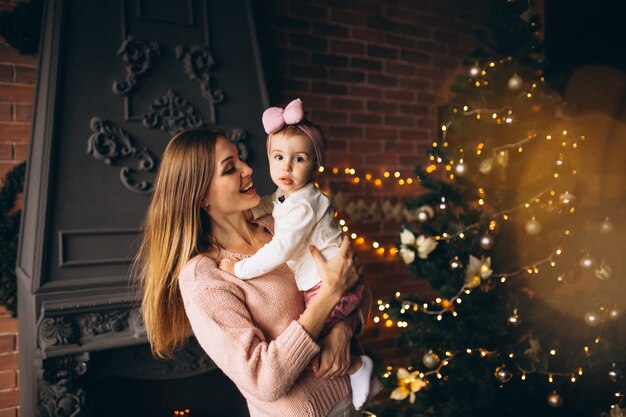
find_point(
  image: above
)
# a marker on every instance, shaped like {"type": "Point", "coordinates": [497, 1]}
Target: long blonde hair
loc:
{"type": "Point", "coordinates": [175, 229]}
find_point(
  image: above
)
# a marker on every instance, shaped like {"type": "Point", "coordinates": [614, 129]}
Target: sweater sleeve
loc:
{"type": "Point", "coordinates": [295, 229]}
{"type": "Point", "coordinates": [265, 369]}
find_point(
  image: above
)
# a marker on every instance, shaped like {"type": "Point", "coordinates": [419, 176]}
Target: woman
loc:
{"type": "Point", "coordinates": [256, 331]}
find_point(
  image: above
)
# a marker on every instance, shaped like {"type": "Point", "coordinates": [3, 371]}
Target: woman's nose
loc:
{"type": "Point", "coordinates": [246, 170]}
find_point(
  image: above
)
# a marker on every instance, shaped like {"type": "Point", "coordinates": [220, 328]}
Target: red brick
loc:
{"type": "Point", "coordinates": [329, 88]}
{"type": "Point", "coordinates": [14, 130]}
{"type": "Point", "coordinates": [328, 60]}
{"type": "Point", "coordinates": [9, 398]}
{"type": "Point", "coordinates": [8, 379]}
{"type": "Point", "coordinates": [382, 52]}
{"type": "Point", "coordinates": [12, 92]}
{"type": "Point", "coordinates": [307, 71]}
{"type": "Point", "coordinates": [8, 361]}
{"type": "Point", "coordinates": [10, 55]}
{"type": "Point", "coordinates": [330, 30]}
{"type": "Point", "coordinates": [25, 75]}
{"type": "Point", "coordinates": [346, 103]}
{"type": "Point", "coordinates": [400, 95]}
{"type": "Point", "coordinates": [9, 412]}
{"type": "Point", "coordinates": [366, 146]}
{"type": "Point", "coordinates": [6, 111]}
{"type": "Point", "coordinates": [391, 120]}
{"type": "Point", "coordinates": [20, 152]}
{"type": "Point", "coordinates": [414, 109]}
{"type": "Point", "coordinates": [401, 41]}
{"type": "Point", "coordinates": [345, 131]}
{"type": "Point", "coordinates": [8, 324]}
{"type": "Point", "coordinates": [7, 343]}
{"type": "Point", "coordinates": [347, 47]}
{"type": "Point", "coordinates": [381, 106]}
{"type": "Point", "coordinates": [347, 76]}
{"type": "Point", "coordinates": [348, 17]}
{"type": "Point", "coordinates": [383, 80]}
{"type": "Point", "coordinates": [402, 69]}
{"type": "Point", "coordinates": [311, 43]}
{"type": "Point", "coordinates": [6, 151]}
{"type": "Point", "coordinates": [4, 311]}
{"type": "Point", "coordinates": [415, 83]}
{"type": "Point", "coordinates": [366, 64]}
{"type": "Point", "coordinates": [367, 35]}
{"type": "Point", "coordinates": [335, 144]}
{"type": "Point", "coordinates": [363, 91]}
{"type": "Point", "coordinates": [402, 147]}
{"type": "Point", "coordinates": [6, 73]}
{"type": "Point", "coordinates": [381, 133]}
{"type": "Point", "coordinates": [366, 118]}
{"type": "Point", "coordinates": [322, 117]}
{"type": "Point", "coordinates": [23, 112]}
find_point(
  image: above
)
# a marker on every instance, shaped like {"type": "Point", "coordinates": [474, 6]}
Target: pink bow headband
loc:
{"type": "Point", "coordinates": [275, 118]}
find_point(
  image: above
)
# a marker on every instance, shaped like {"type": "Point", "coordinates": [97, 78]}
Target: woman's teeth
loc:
{"type": "Point", "coordinates": [248, 188]}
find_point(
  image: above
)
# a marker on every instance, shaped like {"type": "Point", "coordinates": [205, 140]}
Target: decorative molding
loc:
{"type": "Point", "coordinates": [54, 331]}
{"type": "Point", "coordinates": [99, 323]}
{"type": "Point", "coordinates": [172, 113]}
{"type": "Point", "coordinates": [109, 142]}
{"type": "Point", "coordinates": [60, 392]}
{"type": "Point", "coordinates": [187, 21]}
{"type": "Point", "coordinates": [238, 136]}
{"type": "Point", "coordinates": [72, 329]}
{"type": "Point", "coordinates": [197, 62]}
{"type": "Point", "coordinates": [119, 253]}
{"type": "Point", "coordinates": [138, 55]}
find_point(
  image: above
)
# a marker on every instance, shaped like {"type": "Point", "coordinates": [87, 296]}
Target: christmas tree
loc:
{"type": "Point", "coordinates": [527, 317]}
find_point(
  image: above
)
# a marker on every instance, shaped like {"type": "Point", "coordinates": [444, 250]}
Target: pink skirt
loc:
{"type": "Point", "coordinates": [346, 305]}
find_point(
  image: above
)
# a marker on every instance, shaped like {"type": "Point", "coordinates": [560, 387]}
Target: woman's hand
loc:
{"type": "Point", "coordinates": [338, 274]}
{"type": "Point", "coordinates": [334, 358]}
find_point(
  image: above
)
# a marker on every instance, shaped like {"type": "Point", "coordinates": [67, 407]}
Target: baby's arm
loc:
{"type": "Point", "coordinates": [294, 230]}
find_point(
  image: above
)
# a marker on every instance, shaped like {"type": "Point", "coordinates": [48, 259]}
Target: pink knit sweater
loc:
{"type": "Point", "coordinates": [250, 330]}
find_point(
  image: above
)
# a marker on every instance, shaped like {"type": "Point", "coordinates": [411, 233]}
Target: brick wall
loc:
{"type": "Point", "coordinates": [17, 79]}
{"type": "Point", "coordinates": [373, 74]}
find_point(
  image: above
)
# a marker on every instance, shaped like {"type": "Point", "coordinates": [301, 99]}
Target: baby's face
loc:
{"type": "Point", "coordinates": [292, 161]}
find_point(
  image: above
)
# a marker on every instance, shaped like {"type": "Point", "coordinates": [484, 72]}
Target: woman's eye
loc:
{"type": "Point", "coordinates": [229, 170]}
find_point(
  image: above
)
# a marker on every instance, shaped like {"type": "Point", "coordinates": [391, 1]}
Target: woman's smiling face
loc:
{"type": "Point", "coordinates": [231, 189]}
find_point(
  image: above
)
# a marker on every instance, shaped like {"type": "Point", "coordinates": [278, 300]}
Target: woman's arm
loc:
{"type": "Point", "coordinates": [334, 358]}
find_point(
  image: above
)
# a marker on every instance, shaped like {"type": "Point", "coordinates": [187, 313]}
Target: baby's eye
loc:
{"type": "Point", "coordinates": [300, 159]}
{"type": "Point", "coordinates": [278, 157]}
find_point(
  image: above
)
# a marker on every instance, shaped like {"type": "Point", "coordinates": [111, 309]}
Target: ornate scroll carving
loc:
{"type": "Point", "coordinates": [70, 329]}
{"type": "Point", "coordinates": [139, 56]}
{"type": "Point", "coordinates": [238, 136]}
{"type": "Point", "coordinates": [94, 324]}
{"type": "Point", "coordinates": [60, 393]}
{"type": "Point", "coordinates": [172, 113]}
{"type": "Point", "coordinates": [108, 143]}
{"type": "Point", "coordinates": [198, 62]}
{"type": "Point", "coordinates": [53, 331]}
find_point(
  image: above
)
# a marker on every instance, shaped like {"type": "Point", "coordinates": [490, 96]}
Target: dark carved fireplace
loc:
{"type": "Point", "coordinates": [116, 79]}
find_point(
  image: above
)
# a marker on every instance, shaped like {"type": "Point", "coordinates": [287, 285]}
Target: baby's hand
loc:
{"type": "Point", "coordinates": [228, 265]}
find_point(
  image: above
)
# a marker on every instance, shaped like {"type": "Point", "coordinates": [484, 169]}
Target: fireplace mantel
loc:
{"type": "Point", "coordinates": [111, 74]}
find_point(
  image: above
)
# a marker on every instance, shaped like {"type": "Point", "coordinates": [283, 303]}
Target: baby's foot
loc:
{"type": "Point", "coordinates": [360, 382]}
